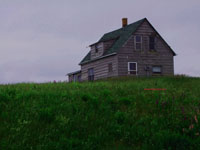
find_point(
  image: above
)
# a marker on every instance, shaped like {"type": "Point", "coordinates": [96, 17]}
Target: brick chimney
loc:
{"type": "Point", "coordinates": [124, 22]}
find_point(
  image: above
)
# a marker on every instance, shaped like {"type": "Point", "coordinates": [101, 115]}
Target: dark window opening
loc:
{"type": "Point", "coordinates": [152, 42]}
{"type": "Point", "coordinates": [138, 38]}
{"type": "Point", "coordinates": [110, 67]}
{"type": "Point", "coordinates": [90, 74]}
{"type": "Point", "coordinates": [138, 42]}
{"type": "Point", "coordinates": [96, 49]}
{"type": "Point", "coordinates": [132, 68]}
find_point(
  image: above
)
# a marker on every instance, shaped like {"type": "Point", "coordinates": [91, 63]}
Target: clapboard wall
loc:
{"type": "Point", "coordinates": [100, 67]}
{"type": "Point", "coordinates": [163, 56]}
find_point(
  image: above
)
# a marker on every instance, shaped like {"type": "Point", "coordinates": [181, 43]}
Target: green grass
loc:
{"type": "Point", "coordinates": [113, 114]}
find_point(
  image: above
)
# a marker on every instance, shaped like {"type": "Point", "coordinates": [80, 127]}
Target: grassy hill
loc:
{"type": "Point", "coordinates": [113, 114]}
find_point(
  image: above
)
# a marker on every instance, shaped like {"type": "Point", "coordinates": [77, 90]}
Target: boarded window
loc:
{"type": "Point", "coordinates": [138, 42]}
{"type": "Point", "coordinates": [132, 68]}
{"type": "Point", "coordinates": [156, 69]}
{"type": "Point", "coordinates": [91, 74]}
{"type": "Point", "coordinates": [152, 42]}
{"type": "Point", "coordinates": [110, 67]}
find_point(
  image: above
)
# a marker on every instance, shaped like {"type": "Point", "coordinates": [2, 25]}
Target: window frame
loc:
{"type": "Point", "coordinates": [97, 47]}
{"type": "Point", "coordinates": [90, 77]}
{"type": "Point", "coordinates": [138, 42]}
{"type": "Point", "coordinates": [150, 42]}
{"type": "Point", "coordinates": [157, 73]}
{"type": "Point", "coordinates": [132, 70]}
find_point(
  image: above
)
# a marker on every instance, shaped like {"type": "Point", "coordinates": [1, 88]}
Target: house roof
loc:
{"type": "Point", "coordinates": [75, 72]}
{"type": "Point", "coordinates": [121, 36]}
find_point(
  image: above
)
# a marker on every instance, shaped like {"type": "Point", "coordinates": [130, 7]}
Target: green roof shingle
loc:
{"type": "Point", "coordinates": [121, 35]}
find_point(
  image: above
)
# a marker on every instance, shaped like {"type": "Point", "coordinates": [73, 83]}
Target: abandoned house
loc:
{"type": "Point", "coordinates": [136, 49]}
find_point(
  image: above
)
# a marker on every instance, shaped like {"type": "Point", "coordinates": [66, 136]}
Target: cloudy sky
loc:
{"type": "Point", "coordinates": [43, 40]}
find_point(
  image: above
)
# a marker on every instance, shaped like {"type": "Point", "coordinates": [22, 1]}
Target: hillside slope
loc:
{"type": "Point", "coordinates": [113, 114]}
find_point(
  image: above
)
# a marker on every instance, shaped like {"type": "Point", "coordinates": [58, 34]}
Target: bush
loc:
{"type": "Point", "coordinates": [169, 140]}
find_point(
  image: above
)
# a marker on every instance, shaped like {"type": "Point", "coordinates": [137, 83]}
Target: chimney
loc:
{"type": "Point", "coordinates": [124, 22]}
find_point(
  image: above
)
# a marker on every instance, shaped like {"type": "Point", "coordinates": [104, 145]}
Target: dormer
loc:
{"type": "Point", "coordinates": [97, 50]}
{"type": "Point", "coordinates": [112, 42]}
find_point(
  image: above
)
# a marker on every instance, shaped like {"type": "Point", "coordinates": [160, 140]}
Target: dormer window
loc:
{"type": "Point", "coordinates": [152, 43]}
{"type": "Point", "coordinates": [97, 47]}
{"type": "Point", "coordinates": [138, 42]}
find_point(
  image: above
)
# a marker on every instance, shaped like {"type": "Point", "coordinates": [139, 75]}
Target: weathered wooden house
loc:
{"type": "Point", "coordinates": [136, 49]}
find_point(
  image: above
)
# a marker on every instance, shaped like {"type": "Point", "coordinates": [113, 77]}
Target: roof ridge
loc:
{"type": "Point", "coordinates": [122, 28]}
{"type": "Point", "coordinates": [123, 33]}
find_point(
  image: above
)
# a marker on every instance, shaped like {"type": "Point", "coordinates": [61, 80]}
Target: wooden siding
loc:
{"type": "Point", "coordinates": [70, 78]}
{"type": "Point", "coordinates": [74, 77]}
{"type": "Point", "coordinates": [163, 56]}
{"type": "Point", "coordinates": [103, 46]}
{"type": "Point", "coordinates": [100, 68]}
{"type": "Point", "coordinates": [100, 50]}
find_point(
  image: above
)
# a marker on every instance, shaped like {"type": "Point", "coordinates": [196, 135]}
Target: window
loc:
{"type": "Point", "coordinates": [156, 69]}
{"type": "Point", "coordinates": [132, 68]}
{"type": "Point", "coordinates": [110, 67]}
{"type": "Point", "coordinates": [97, 47]}
{"type": "Point", "coordinates": [138, 42]}
{"type": "Point", "coordinates": [152, 43]}
{"type": "Point", "coordinates": [90, 74]}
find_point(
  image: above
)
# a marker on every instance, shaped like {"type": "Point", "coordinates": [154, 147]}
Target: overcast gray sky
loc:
{"type": "Point", "coordinates": [43, 40]}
